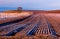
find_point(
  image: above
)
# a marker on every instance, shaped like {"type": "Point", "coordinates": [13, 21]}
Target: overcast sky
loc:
{"type": "Point", "coordinates": [31, 4]}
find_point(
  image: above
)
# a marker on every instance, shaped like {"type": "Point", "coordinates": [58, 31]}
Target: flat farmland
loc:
{"type": "Point", "coordinates": [7, 17]}
{"type": "Point", "coordinates": [35, 26]}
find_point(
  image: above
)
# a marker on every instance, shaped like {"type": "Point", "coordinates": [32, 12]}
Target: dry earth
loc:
{"type": "Point", "coordinates": [37, 26]}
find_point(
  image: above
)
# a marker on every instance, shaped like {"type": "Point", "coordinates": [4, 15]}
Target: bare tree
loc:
{"type": "Point", "coordinates": [19, 8]}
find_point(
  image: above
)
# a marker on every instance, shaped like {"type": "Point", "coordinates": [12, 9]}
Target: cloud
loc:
{"type": "Point", "coordinates": [32, 4]}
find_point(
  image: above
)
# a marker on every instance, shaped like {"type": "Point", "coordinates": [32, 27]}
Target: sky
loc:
{"type": "Point", "coordinates": [30, 4]}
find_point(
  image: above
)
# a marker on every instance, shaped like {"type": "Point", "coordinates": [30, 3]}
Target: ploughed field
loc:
{"type": "Point", "coordinates": [35, 26]}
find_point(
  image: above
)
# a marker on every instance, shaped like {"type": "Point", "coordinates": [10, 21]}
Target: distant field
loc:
{"type": "Point", "coordinates": [6, 17]}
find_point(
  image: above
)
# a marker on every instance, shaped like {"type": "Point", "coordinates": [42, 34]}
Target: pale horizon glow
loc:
{"type": "Point", "coordinates": [30, 4]}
